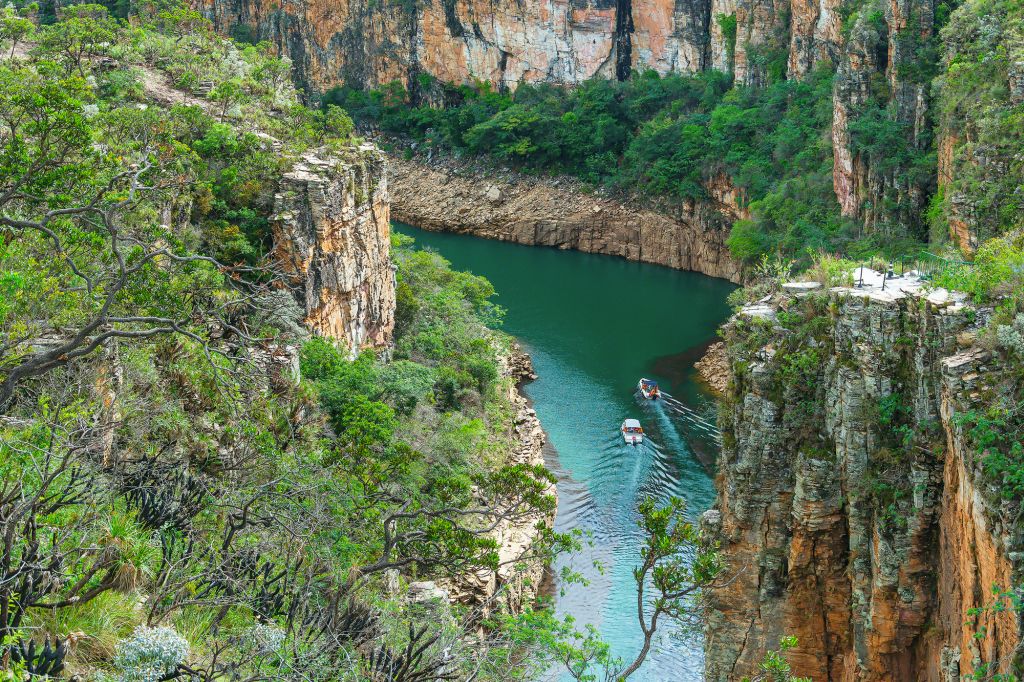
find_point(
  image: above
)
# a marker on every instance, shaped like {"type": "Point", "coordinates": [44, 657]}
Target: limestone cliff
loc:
{"type": "Point", "coordinates": [980, 94]}
{"type": "Point", "coordinates": [557, 212]}
{"type": "Point", "coordinates": [332, 237]}
{"type": "Point", "coordinates": [852, 506]}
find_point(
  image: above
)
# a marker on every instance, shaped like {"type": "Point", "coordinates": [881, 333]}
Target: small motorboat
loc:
{"type": "Point", "coordinates": [649, 389]}
{"type": "Point", "coordinates": [632, 432]}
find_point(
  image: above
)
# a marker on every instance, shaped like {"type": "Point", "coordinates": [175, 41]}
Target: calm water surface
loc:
{"type": "Point", "coordinates": [594, 325]}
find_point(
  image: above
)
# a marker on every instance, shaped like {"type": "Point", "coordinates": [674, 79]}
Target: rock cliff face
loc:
{"type": "Point", "coordinates": [851, 503]}
{"type": "Point", "coordinates": [534, 211]}
{"type": "Point", "coordinates": [503, 42]}
{"type": "Point", "coordinates": [980, 93]}
{"type": "Point", "coordinates": [332, 237]}
{"type": "Point", "coordinates": [880, 67]}
{"type": "Point", "coordinates": [509, 42]}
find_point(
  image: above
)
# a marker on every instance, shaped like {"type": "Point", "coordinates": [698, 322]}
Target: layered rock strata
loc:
{"type": "Point", "coordinates": [332, 239]}
{"type": "Point", "coordinates": [879, 68]}
{"type": "Point", "coordinates": [559, 213]}
{"type": "Point", "coordinates": [852, 507]}
{"type": "Point", "coordinates": [713, 368]}
{"type": "Point", "coordinates": [506, 43]}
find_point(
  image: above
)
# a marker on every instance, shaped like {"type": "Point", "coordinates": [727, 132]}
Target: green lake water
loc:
{"type": "Point", "coordinates": [594, 325]}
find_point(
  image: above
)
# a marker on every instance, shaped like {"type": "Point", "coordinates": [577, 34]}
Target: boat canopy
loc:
{"type": "Point", "coordinates": [631, 425]}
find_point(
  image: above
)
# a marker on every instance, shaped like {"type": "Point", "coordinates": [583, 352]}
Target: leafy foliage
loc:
{"type": "Point", "coordinates": [981, 118]}
{"type": "Point", "coordinates": [154, 477]}
{"type": "Point", "coordinates": [672, 136]}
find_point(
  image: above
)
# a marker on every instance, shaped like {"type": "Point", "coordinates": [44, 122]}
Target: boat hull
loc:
{"type": "Point", "coordinates": [649, 390]}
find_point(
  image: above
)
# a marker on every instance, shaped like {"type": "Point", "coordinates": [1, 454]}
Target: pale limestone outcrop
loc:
{"type": "Point", "coordinates": [814, 33]}
{"type": "Point", "coordinates": [713, 368]}
{"type": "Point", "coordinates": [529, 210]}
{"type": "Point", "coordinates": [868, 544]}
{"type": "Point", "coordinates": [332, 239]}
{"type": "Point", "coordinates": [760, 29]}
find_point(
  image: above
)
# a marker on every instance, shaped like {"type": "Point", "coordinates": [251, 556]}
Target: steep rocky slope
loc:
{"type": "Point", "coordinates": [508, 43]}
{"type": "Point", "coordinates": [331, 228]}
{"type": "Point", "coordinates": [851, 500]}
{"type": "Point", "coordinates": [332, 236]}
{"type": "Point", "coordinates": [897, 72]}
{"type": "Point", "coordinates": [534, 211]}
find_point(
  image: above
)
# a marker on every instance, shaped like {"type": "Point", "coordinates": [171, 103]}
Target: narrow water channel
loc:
{"type": "Point", "coordinates": [594, 325]}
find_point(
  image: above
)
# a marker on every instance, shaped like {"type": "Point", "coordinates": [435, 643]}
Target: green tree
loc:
{"type": "Point", "coordinates": [667, 571]}
{"type": "Point", "coordinates": [84, 258]}
{"type": "Point", "coordinates": [774, 667]}
{"type": "Point", "coordinates": [228, 94]}
{"type": "Point", "coordinates": [14, 29]}
{"type": "Point", "coordinates": [676, 565]}
{"type": "Point", "coordinates": [82, 34]}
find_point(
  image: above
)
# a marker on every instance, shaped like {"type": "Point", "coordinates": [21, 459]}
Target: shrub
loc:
{"type": "Point", "coordinates": [997, 273]}
{"type": "Point", "coordinates": [150, 654]}
{"type": "Point", "coordinates": [405, 384]}
{"type": "Point", "coordinates": [831, 271]}
{"type": "Point", "coordinates": [1011, 336]}
{"type": "Point", "coordinates": [319, 359]}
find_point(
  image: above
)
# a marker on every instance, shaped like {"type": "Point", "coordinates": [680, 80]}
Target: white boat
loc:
{"type": "Point", "coordinates": [649, 389]}
{"type": "Point", "coordinates": [632, 432]}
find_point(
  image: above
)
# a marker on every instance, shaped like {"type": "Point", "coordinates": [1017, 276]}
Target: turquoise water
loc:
{"type": "Point", "coordinates": [594, 325]}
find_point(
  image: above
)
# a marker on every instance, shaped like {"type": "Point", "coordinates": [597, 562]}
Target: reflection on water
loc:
{"type": "Point", "coordinates": [594, 325]}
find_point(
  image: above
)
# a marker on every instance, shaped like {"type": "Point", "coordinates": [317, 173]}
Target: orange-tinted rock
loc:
{"type": "Point", "coordinates": [332, 238]}
{"type": "Point", "coordinates": [814, 34]}
{"type": "Point", "coordinates": [872, 551]}
{"type": "Point", "coordinates": [759, 30]}
{"type": "Point", "coordinates": [506, 42]}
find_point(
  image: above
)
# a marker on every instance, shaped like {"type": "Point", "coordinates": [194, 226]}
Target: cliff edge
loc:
{"type": "Point", "coordinates": [449, 197]}
{"type": "Point", "coordinates": [852, 504]}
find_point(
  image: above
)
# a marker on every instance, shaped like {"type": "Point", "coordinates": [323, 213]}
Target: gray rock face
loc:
{"type": "Point", "coordinates": [851, 505]}
{"type": "Point", "coordinates": [332, 236]}
{"type": "Point", "coordinates": [539, 212]}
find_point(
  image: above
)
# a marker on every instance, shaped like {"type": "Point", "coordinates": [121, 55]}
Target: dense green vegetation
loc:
{"type": "Point", "coordinates": [977, 108]}
{"type": "Point", "coordinates": [668, 136]}
{"type": "Point", "coordinates": [671, 139]}
{"type": "Point", "coordinates": [190, 486]}
{"type": "Point", "coordinates": [198, 515]}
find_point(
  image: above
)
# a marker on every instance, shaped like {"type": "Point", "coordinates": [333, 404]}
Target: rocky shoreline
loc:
{"type": "Point", "coordinates": [449, 195]}
{"type": "Point", "coordinates": [713, 368]}
{"type": "Point", "coordinates": [512, 587]}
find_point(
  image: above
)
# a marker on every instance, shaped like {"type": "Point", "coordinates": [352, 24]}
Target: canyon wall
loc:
{"type": "Point", "coordinates": [450, 197]}
{"type": "Point", "coordinates": [884, 70]}
{"type": "Point", "coordinates": [981, 101]}
{"type": "Point", "coordinates": [852, 506]}
{"type": "Point", "coordinates": [332, 238]}
{"type": "Point", "coordinates": [505, 42]}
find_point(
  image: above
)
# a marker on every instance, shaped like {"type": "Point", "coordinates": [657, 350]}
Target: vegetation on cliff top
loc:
{"type": "Point", "coordinates": [178, 500]}
{"type": "Point", "coordinates": [190, 487]}
{"type": "Point", "coordinates": [674, 138]}
{"type": "Point", "coordinates": [671, 136]}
